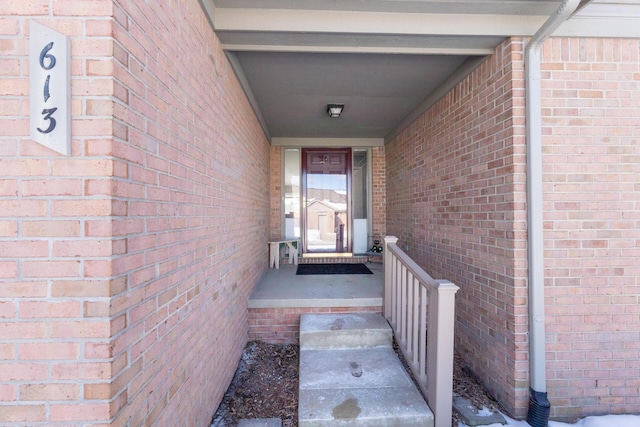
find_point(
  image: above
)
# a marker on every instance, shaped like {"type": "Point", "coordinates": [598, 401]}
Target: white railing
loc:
{"type": "Point", "coordinates": [421, 311]}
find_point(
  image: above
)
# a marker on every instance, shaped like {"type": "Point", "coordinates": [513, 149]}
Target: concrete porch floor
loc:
{"type": "Point", "coordinates": [281, 297]}
{"type": "Point", "coordinates": [282, 288]}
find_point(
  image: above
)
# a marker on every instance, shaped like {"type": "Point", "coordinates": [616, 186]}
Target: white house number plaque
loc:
{"type": "Point", "coordinates": [49, 83]}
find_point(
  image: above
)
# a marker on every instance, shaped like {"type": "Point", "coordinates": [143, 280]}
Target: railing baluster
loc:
{"type": "Point", "coordinates": [398, 293]}
{"type": "Point", "coordinates": [410, 313]}
{"type": "Point", "coordinates": [394, 291]}
{"type": "Point", "coordinates": [404, 283]}
{"type": "Point", "coordinates": [424, 298]}
{"type": "Point", "coordinates": [416, 322]}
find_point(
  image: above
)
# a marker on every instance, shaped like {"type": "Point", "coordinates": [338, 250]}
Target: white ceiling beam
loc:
{"type": "Point", "coordinates": [503, 7]}
{"type": "Point", "coordinates": [327, 142]}
{"type": "Point", "coordinates": [601, 18]}
{"type": "Point", "coordinates": [608, 27]}
{"type": "Point", "coordinates": [359, 49]}
{"type": "Point", "coordinates": [347, 22]}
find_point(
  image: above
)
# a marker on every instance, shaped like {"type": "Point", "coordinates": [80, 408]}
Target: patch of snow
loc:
{"type": "Point", "coordinates": [594, 421]}
{"type": "Point", "coordinates": [484, 412]}
{"type": "Point", "coordinates": [603, 421]}
{"type": "Point", "coordinates": [248, 355]}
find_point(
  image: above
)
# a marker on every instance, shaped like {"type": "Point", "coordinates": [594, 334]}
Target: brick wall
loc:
{"type": "Point", "coordinates": [378, 192]}
{"type": "Point", "coordinates": [127, 266]}
{"type": "Point", "coordinates": [275, 188]}
{"type": "Point", "coordinates": [455, 199]}
{"type": "Point", "coordinates": [55, 326]}
{"type": "Point", "coordinates": [282, 325]}
{"type": "Point", "coordinates": [591, 99]}
{"type": "Point", "coordinates": [199, 164]}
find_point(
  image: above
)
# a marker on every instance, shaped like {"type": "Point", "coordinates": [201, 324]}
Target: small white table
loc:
{"type": "Point", "coordinates": [274, 252]}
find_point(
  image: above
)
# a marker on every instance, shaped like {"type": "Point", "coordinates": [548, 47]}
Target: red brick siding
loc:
{"type": "Point", "coordinates": [55, 261]}
{"type": "Point", "coordinates": [282, 325]}
{"type": "Point", "coordinates": [453, 177]}
{"type": "Point", "coordinates": [378, 191]}
{"type": "Point", "coordinates": [199, 162]}
{"type": "Point", "coordinates": [591, 99]}
{"type": "Point", "coordinates": [127, 266]}
{"type": "Point", "coordinates": [275, 188]}
{"type": "Point", "coordinates": [455, 199]}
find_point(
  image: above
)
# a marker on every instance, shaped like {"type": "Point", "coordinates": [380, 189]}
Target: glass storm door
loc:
{"type": "Point", "coordinates": [326, 200]}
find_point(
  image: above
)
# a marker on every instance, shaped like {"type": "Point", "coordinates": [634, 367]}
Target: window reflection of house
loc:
{"type": "Point", "coordinates": [326, 217]}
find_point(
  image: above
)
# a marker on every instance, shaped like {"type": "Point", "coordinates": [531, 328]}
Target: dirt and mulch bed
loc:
{"type": "Point", "coordinates": [265, 385]}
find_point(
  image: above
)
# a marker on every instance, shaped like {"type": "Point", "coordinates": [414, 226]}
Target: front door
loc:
{"type": "Point", "coordinates": [326, 200]}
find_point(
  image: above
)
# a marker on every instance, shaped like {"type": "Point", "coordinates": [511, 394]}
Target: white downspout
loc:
{"type": "Point", "coordinates": [539, 407]}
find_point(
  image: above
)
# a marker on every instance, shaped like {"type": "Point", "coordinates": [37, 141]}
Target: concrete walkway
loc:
{"type": "Point", "coordinates": [351, 376]}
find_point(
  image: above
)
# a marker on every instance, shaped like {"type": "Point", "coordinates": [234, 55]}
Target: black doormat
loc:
{"type": "Point", "coordinates": [308, 269]}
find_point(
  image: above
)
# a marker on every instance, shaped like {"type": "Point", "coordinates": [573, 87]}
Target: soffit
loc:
{"type": "Point", "coordinates": [386, 60]}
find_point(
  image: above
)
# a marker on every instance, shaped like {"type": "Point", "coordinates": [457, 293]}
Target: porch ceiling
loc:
{"type": "Point", "coordinates": [386, 60]}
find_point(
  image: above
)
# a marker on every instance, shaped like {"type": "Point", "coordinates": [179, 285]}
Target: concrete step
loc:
{"type": "Point", "coordinates": [260, 422]}
{"type": "Point", "coordinates": [345, 383]}
{"type": "Point", "coordinates": [363, 408]}
{"type": "Point", "coordinates": [335, 331]}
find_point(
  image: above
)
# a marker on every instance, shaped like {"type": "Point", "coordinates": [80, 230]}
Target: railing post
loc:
{"type": "Point", "coordinates": [440, 337]}
{"type": "Point", "coordinates": [388, 274]}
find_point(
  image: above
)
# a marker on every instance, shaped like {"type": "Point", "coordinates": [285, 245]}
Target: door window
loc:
{"type": "Point", "coordinates": [326, 176]}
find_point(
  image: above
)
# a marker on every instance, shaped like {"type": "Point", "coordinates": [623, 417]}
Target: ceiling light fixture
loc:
{"type": "Point", "coordinates": [334, 110]}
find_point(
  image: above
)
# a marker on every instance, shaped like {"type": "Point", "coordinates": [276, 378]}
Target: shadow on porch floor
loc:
{"type": "Point", "coordinates": [281, 297]}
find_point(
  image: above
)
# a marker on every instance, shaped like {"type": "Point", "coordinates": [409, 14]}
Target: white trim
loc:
{"type": "Point", "coordinates": [327, 142]}
{"type": "Point", "coordinates": [359, 49]}
{"type": "Point", "coordinates": [609, 27]}
{"type": "Point", "coordinates": [348, 22]}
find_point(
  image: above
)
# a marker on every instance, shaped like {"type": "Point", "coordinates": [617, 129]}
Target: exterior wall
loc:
{"type": "Point", "coordinates": [275, 188]}
{"type": "Point", "coordinates": [282, 325]}
{"type": "Point", "coordinates": [456, 200]}
{"type": "Point", "coordinates": [378, 193]}
{"type": "Point", "coordinates": [127, 266]}
{"type": "Point", "coordinates": [55, 268]}
{"type": "Point", "coordinates": [591, 99]}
